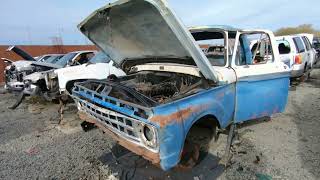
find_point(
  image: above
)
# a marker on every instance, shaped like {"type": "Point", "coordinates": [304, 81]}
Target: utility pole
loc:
{"type": "Point", "coordinates": [28, 35]}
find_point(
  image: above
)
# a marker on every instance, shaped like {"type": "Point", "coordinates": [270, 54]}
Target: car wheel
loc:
{"type": "Point", "coordinates": [196, 146]}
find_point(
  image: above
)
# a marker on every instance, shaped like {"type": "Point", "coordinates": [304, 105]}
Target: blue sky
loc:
{"type": "Point", "coordinates": [38, 21]}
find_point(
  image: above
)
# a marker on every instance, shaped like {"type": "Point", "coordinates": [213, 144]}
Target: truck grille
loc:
{"type": "Point", "coordinates": [116, 122]}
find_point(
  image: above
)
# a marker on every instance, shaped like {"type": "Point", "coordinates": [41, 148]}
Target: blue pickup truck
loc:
{"type": "Point", "coordinates": [175, 96]}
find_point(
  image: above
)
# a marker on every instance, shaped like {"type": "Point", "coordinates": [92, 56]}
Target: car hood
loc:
{"type": "Point", "coordinates": [20, 53]}
{"type": "Point", "coordinates": [49, 65]}
{"type": "Point", "coordinates": [22, 65]}
{"type": "Point", "coordinates": [131, 30]}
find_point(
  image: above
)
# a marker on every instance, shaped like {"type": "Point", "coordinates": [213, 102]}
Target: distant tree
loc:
{"type": "Point", "coordinates": [304, 28]}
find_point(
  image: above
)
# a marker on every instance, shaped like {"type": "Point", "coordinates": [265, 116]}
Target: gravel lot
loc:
{"type": "Point", "coordinates": [33, 146]}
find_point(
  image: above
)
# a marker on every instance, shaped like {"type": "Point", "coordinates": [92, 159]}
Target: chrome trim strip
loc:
{"type": "Point", "coordinates": [262, 77]}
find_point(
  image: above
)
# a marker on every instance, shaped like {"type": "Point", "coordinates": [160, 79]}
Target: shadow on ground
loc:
{"type": "Point", "coordinates": [127, 165]}
{"type": "Point", "coordinates": [247, 162]}
{"type": "Point", "coordinates": [306, 116]}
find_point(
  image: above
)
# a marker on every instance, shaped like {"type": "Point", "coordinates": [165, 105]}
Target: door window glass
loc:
{"type": "Point", "coordinates": [299, 45]}
{"type": "Point", "coordinates": [307, 43]}
{"type": "Point", "coordinates": [83, 58]}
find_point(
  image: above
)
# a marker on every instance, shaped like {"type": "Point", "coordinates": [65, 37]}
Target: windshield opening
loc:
{"type": "Point", "coordinates": [213, 45]}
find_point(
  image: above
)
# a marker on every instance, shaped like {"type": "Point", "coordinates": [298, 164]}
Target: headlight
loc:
{"type": "Point", "coordinates": [52, 75]}
{"type": "Point", "coordinates": [148, 135]}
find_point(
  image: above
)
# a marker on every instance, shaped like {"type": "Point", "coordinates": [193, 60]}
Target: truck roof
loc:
{"type": "Point", "coordinates": [221, 27]}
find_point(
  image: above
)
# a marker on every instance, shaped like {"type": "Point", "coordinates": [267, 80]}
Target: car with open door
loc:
{"type": "Point", "coordinates": [175, 98]}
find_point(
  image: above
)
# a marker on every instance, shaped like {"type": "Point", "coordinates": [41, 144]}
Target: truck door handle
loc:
{"type": "Point", "coordinates": [246, 66]}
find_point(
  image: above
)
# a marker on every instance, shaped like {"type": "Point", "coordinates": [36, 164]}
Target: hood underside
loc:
{"type": "Point", "coordinates": [21, 53]}
{"type": "Point", "coordinates": [129, 30]}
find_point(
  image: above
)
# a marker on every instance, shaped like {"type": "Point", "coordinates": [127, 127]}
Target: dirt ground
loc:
{"type": "Point", "coordinates": [34, 146]}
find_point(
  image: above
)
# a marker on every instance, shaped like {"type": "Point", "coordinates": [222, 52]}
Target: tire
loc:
{"type": "Point", "coordinates": [196, 146]}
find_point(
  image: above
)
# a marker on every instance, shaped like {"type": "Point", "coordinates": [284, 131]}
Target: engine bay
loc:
{"type": "Point", "coordinates": [160, 86]}
{"type": "Point", "coordinates": [149, 88]}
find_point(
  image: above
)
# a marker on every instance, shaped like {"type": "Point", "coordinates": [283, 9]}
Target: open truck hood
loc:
{"type": "Point", "coordinates": [129, 30]}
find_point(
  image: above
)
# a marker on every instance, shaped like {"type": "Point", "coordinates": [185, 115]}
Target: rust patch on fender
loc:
{"type": "Point", "coordinates": [178, 116]}
{"type": "Point", "coordinates": [145, 153]}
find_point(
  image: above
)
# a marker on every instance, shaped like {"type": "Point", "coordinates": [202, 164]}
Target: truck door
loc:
{"type": "Point", "coordinates": [262, 79]}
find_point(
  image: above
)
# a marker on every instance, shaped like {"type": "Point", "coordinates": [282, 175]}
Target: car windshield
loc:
{"type": "Point", "coordinates": [65, 59]}
{"type": "Point", "coordinates": [53, 59]}
{"type": "Point", "coordinates": [100, 57]}
{"type": "Point", "coordinates": [43, 58]}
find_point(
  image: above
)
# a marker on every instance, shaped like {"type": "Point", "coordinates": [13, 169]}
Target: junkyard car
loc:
{"type": "Point", "coordinates": [297, 52]}
{"type": "Point", "coordinates": [42, 82]}
{"type": "Point", "coordinates": [174, 95]}
{"type": "Point", "coordinates": [17, 70]}
{"type": "Point", "coordinates": [57, 82]}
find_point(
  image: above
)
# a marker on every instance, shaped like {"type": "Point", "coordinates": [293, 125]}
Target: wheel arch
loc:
{"type": "Point", "coordinates": [70, 84]}
{"type": "Point", "coordinates": [208, 119]}
{"type": "Point", "coordinates": [212, 118]}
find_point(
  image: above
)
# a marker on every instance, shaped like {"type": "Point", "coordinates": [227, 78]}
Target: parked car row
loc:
{"type": "Point", "coordinates": [16, 71]}
{"type": "Point", "coordinates": [155, 91]}
{"type": "Point", "coordinates": [52, 76]}
{"type": "Point", "coordinates": [298, 53]}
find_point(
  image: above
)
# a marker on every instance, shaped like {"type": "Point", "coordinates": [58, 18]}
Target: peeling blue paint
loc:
{"type": "Point", "coordinates": [261, 96]}
{"type": "Point", "coordinates": [218, 102]}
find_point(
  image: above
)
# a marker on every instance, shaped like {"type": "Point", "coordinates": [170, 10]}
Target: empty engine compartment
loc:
{"type": "Point", "coordinates": [149, 88]}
